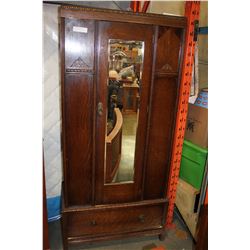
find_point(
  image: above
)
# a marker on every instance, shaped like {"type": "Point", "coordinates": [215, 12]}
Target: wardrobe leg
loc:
{"type": "Point", "coordinates": [163, 236]}
{"type": "Point", "coordinates": [64, 234]}
{"type": "Point", "coordinates": [65, 243]}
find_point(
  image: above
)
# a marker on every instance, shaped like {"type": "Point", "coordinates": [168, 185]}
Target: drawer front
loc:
{"type": "Point", "coordinates": [114, 220]}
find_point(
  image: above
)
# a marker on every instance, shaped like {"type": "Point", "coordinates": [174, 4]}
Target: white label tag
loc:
{"type": "Point", "coordinates": [80, 29]}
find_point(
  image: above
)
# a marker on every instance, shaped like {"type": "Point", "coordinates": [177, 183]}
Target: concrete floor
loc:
{"type": "Point", "coordinates": [177, 239]}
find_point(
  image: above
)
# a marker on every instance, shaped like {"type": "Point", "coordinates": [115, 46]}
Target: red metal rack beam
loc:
{"type": "Point", "coordinates": [192, 11]}
{"type": "Point", "coordinates": [136, 6]}
{"type": "Point", "coordinates": [145, 6]}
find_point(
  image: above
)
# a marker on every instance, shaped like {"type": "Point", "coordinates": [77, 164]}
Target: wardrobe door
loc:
{"type": "Point", "coordinates": [77, 53]}
{"type": "Point", "coordinates": [125, 52]}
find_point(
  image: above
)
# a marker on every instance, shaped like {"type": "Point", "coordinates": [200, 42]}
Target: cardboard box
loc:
{"type": "Point", "coordinates": [186, 200]}
{"type": "Point", "coordinates": [191, 220]}
{"type": "Point", "coordinates": [186, 196]}
{"type": "Point", "coordinates": [197, 125]}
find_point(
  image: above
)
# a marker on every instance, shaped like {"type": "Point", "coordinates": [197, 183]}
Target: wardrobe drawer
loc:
{"type": "Point", "coordinates": [114, 220]}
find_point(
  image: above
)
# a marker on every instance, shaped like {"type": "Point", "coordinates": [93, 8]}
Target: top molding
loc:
{"type": "Point", "coordinates": [69, 11]}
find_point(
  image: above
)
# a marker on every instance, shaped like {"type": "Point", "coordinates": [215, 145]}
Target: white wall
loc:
{"type": "Point", "coordinates": [51, 101]}
{"type": "Point", "coordinates": [171, 7]}
{"type": "Point", "coordinates": [178, 8]}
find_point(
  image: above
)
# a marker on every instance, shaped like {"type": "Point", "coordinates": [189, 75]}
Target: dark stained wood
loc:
{"type": "Point", "coordinates": [163, 111]}
{"type": "Point", "coordinates": [165, 74]}
{"type": "Point", "coordinates": [121, 16]}
{"type": "Point", "coordinates": [163, 236]}
{"type": "Point", "coordinates": [116, 30]}
{"type": "Point", "coordinates": [77, 58]}
{"type": "Point", "coordinates": [119, 193]}
{"type": "Point", "coordinates": [168, 50]}
{"type": "Point", "coordinates": [64, 218]}
{"type": "Point", "coordinates": [147, 216]}
{"type": "Point", "coordinates": [63, 132]}
{"type": "Point", "coordinates": [78, 126]}
{"type": "Point", "coordinates": [91, 209]}
{"type": "Point", "coordinates": [163, 108]}
{"type": "Point", "coordinates": [45, 217]}
{"type": "Point", "coordinates": [146, 34]}
{"type": "Point", "coordinates": [156, 29]}
{"type": "Point", "coordinates": [202, 229]}
{"type": "Point", "coordinates": [94, 111]}
{"type": "Point", "coordinates": [123, 220]}
{"type": "Point", "coordinates": [64, 228]}
{"type": "Point", "coordinates": [100, 126]}
{"type": "Point", "coordinates": [94, 238]}
{"type": "Point", "coordinates": [79, 46]}
{"type": "Point", "coordinates": [116, 206]}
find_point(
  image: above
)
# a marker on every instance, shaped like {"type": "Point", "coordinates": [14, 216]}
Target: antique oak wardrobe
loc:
{"type": "Point", "coordinates": [120, 75]}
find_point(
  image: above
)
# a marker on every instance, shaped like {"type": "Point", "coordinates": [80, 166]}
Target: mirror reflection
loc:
{"type": "Point", "coordinates": [123, 101]}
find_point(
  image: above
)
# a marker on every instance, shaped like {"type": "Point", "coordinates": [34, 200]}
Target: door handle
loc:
{"type": "Point", "coordinates": [93, 223]}
{"type": "Point", "coordinates": [100, 108]}
{"type": "Point", "coordinates": [141, 218]}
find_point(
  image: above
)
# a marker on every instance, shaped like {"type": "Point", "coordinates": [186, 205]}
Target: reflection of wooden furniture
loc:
{"type": "Point", "coordinates": [113, 148]}
{"type": "Point", "coordinates": [130, 92]}
{"type": "Point", "coordinates": [93, 210]}
{"type": "Point", "coordinates": [126, 81]}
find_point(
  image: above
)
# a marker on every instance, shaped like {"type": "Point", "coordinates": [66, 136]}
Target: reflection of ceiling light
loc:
{"type": "Point", "coordinates": [54, 36]}
{"type": "Point", "coordinates": [74, 47]}
{"type": "Point", "coordinates": [170, 14]}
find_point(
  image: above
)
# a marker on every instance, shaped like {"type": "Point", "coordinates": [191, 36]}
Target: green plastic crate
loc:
{"type": "Point", "coordinates": [193, 164]}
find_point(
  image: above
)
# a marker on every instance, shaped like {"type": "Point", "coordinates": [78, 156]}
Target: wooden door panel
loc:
{"type": "Point", "coordinates": [124, 31]}
{"type": "Point", "coordinates": [79, 143]}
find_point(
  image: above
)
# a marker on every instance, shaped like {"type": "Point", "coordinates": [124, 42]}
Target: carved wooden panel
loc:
{"type": "Point", "coordinates": [168, 49]}
{"type": "Point", "coordinates": [79, 45]}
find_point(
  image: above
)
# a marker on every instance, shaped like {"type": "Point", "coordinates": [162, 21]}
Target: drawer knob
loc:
{"type": "Point", "coordinates": [141, 217]}
{"type": "Point", "coordinates": [93, 223]}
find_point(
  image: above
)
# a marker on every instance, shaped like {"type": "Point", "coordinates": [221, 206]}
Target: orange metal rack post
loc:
{"type": "Point", "coordinates": [136, 6]}
{"type": "Point", "coordinates": [192, 11]}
